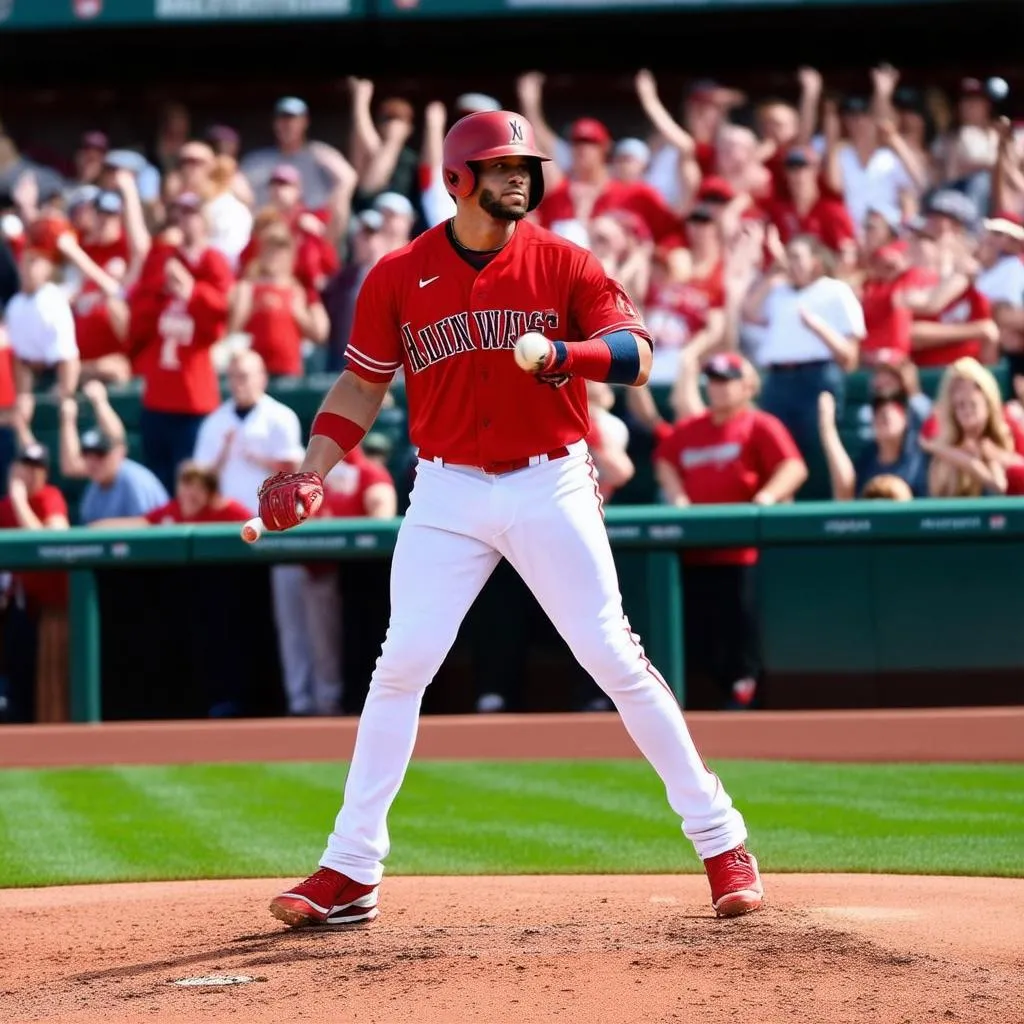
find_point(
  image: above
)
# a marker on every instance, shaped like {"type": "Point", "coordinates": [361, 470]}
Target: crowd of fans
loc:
{"type": "Point", "coordinates": [763, 238]}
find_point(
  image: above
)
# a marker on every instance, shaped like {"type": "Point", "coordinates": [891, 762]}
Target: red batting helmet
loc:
{"type": "Point", "coordinates": [486, 135]}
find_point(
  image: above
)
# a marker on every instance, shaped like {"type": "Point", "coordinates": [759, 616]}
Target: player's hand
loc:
{"type": "Point", "coordinates": [287, 499]}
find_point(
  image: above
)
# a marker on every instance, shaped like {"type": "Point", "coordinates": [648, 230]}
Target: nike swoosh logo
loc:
{"type": "Point", "coordinates": [429, 280]}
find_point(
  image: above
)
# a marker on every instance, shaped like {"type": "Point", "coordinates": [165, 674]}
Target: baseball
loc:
{"type": "Point", "coordinates": [532, 351]}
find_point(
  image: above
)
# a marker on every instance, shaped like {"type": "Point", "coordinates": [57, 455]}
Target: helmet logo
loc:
{"type": "Point", "coordinates": [517, 132]}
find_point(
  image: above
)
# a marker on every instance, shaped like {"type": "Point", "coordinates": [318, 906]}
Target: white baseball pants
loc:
{"type": "Point", "coordinates": [546, 520]}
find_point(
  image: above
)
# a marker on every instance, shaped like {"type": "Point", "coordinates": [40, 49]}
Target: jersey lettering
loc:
{"type": "Point", "coordinates": [176, 328]}
{"type": "Point", "coordinates": [452, 335]}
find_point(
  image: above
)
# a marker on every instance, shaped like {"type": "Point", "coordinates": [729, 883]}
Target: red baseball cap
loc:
{"type": "Point", "coordinates": [285, 174]}
{"type": "Point", "coordinates": [724, 366]}
{"type": "Point", "coordinates": [589, 129]}
{"type": "Point", "coordinates": [892, 252]}
{"type": "Point", "coordinates": [715, 190]}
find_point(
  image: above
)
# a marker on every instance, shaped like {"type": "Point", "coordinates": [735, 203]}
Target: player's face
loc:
{"type": "Point", "coordinates": [503, 186]}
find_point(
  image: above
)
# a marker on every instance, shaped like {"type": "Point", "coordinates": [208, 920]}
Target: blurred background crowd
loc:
{"type": "Point", "coordinates": [833, 279]}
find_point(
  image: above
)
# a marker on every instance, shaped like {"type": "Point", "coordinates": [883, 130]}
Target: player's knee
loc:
{"type": "Point", "coordinates": [613, 660]}
{"type": "Point", "coordinates": [406, 665]}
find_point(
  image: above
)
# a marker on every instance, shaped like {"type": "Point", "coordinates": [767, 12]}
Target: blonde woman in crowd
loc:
{"type": "Point", "coordinates": [974, 447]}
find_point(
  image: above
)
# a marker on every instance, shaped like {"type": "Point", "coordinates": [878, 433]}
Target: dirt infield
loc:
{"type": "Point", "coordinates": [834, 949]}
{"type": "Point", "coordinates": [943, 734]}
{"type": "Point", "coordinates": [599, 950]}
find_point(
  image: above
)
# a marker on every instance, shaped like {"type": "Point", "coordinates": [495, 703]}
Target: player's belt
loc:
{"type": "Point", "coordinates": [498, 468]}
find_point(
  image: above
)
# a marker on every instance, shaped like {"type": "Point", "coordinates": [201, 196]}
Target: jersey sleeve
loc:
{"type": "Point", "coordinates": [156, 515]}
{"type": "Point", "coordinates": [51, 503]}
{"type": "Point", "coordinates": [599, 305]}
{"type": "Point", "coordinates": [374, 350]}
{"type": "Point", "coordinates": [773, 445]}
{"type": "Point", "coordinates": [981, 307]}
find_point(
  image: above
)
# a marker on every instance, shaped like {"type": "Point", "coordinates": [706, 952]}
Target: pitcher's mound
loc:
{"type": "Point", "coordinates": [591, 949]}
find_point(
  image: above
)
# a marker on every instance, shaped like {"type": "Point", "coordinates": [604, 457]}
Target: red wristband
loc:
{"type": "Point", "coordinates": [343, 432]}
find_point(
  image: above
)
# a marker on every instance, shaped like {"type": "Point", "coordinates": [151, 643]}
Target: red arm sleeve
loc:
{"type": "Point", "coordinates": [374, 350]}
{"type": "Point", "coordinates": [598, 305]}
{"type": "Point", "coordinates": [51, 503]}
{"type": "Point", "coordinates": [156, 515]}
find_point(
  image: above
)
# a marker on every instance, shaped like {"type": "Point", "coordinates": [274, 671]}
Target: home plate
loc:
{"type": "Point", "coordinates": [216, 979]}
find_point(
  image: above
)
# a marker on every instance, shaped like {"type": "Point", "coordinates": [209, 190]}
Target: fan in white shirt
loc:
{"type": "Point", "coordinates": [41, 330]}
{"type": "Point", "coordinates": [1001, 281]}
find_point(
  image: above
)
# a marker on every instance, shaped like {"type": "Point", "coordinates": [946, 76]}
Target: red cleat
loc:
{"type": "Point", "coordinates": [326, 897]}
{"type": "Point", "coordinates": [735, 882]}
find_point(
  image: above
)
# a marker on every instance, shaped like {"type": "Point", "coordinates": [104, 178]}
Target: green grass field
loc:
{"type": "Point", "coordinates": [494, 817]}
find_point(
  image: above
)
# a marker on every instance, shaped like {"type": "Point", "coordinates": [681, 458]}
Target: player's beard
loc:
{"type": "Point", "coordinates": [492, 204]}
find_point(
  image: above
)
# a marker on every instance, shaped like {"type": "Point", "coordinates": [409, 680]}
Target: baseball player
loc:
{"type": "Point", "coordinates": [503, 471]}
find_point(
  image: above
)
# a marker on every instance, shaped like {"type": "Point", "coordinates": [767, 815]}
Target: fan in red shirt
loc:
{"type": "Point", "coordinates": [274, 308]}
{"type": "Point", "coordinates": [686, 298]}
{"type": "Point", "coordinates": [315, 257]}
{"type": "Point", "coordinates": [807, 211]}
{"type": "Point", "coordinates": [197, 499]}
{"type": "Point", "coordinates": [37, 601]}
{"type": "Point", "coordinates": [729, 453]}
{"type": "Point", "coordinates": [178, 311]}
{"type": "Point", "coordinates": [949, 324]}
{"type": "Point", "coordinates": [589, 189]}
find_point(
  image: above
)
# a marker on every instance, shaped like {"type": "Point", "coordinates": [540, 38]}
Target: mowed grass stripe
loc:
{"type": "Point", "coordinates": [503, 817]}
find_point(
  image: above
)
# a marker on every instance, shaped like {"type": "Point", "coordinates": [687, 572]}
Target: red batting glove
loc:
{"type": "Point", "coordinates": [287, 499]}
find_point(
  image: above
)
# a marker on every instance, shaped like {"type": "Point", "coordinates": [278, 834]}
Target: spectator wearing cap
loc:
{"type": "Point", "coordinates": [273, 308]}
{"type": "Point", "coordinates": [887, 319]}
{"type": "Point", "coordinates": [378, 145]}
{"type": "Point", "coordinates": [685, 304]}
{"type": "Point", "coordinates": [951, 318]}
{"type": "Point", "coordinates": [808, 211]}
{"type": "Point", "coordinates": [314, 232]}
{"type": "Point", "coordinates": [727, 452]}
{"type": "Point", "coordinates": [397, 218]}
{"type": "Point", "coordinates": [41, 329]}
{"type": "Point", "coordinates": [813, 326]}
{"type": "Point", "coordinates": [113, 236]}
{"type": "Point", "coordinates": [967, 153]}
{"type": "Point", "coordinates": [1001, 280]}
{"type": "Point", "coordinates": [630, 159]}
{"type": "Point", "coordinates": [35, 626]}
{"type": "Point", "coordinates": [894, 448]}
{"type": "Point", "coordinates": [292, 147]}
{"type": "Point", "coordinates": [881, 226]}
{"type": "Point", "coordinates": [589, 190]}
{"type": "Point", "coordinates": [178, 311]}
{"type": "Point", "coordinates": [89, 157]}
{"type": "Point", "coordinates": [368, 245]}
{"type": "Point", "coordinates": [122, 165]}
{"type": "Point", "coordinates": [357, 486]}
{"type": "Point", "coordinates": [209, 176]}
{"type": "Point", "coordinates": [873, 166]}
{"type": "Point", "coordinates": [118, 486]}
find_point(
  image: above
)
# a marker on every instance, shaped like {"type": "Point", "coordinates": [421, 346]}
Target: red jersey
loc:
{"type": "Point", "coordinates": [636, 196]}
{"type": "Point", "coordinates": [969, 306]}
{"type": "Point", "coordinates": [453, 328]}
{"type": "Point", "coordinates": [316, 259]}
{"type": "Point", "coordinates": [274, 330]}
{"type": "Point", "coordinates": [676, 310]}
{"type": "Point", "coordinates": [1015, 481]}
{"type": "Point", "coordinates": [228, 512]}
{"type": "Point", "coordinates": [93, 328]}
{"type": "Point", "coordinates": [41, 589]}
{"type": "Point", "coordinates": [887, 324]}
{"type": "Point", "coordinates": [726, 463]}
{"type": "Point", "coordinates": [827, 220]}
{"type": "Point", "coordinates": [346, 485]}
{"type": "Point", "coordinates": [173, 336]}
